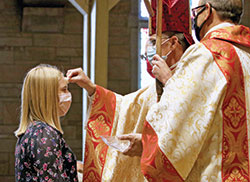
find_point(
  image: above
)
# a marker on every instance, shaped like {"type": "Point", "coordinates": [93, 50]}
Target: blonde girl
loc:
{"type": "Point", "coordinates": [41, 152]}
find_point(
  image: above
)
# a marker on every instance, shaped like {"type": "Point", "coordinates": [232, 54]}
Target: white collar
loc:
{"type": "Point", "coordinates": [221, 25]}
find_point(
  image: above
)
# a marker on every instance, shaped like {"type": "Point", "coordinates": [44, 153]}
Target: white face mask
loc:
{"type": "Point", "coordinates": [151, 51]}
{"type": "Point", "coordinates": [65, 100]}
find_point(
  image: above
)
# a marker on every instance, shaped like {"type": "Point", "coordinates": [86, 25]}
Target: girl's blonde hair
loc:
{"type": "Point", "coordinates": [40, 100]}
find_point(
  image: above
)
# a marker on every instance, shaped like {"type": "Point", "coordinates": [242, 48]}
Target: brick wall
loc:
{"type": "Point", "coordinates": [41, 35]}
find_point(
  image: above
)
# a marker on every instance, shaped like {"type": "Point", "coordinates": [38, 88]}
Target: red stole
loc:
{"type": "Point", "coordinates": [100, 123]}
{"type": "Point", "coordinates": [235, 157]}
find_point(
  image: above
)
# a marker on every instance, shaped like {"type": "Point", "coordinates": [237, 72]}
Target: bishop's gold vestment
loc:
{"type": "Point", "coordinates": [198, 132]}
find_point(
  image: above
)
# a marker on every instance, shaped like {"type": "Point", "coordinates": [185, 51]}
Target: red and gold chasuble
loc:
{"type": "Point", "coordinates": [156, 165]}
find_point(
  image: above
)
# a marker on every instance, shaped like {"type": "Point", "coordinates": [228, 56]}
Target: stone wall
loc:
{"type": "Point", "coordinates": [245, 19]}
{"type": "Point", "coordinates": [28, 38]}
{"type": "Point", "coordinates": [123, 47]}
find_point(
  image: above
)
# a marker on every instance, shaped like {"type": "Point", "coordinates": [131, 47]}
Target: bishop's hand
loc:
{"type": "Point", "coordinates": [161, 70]}
{"type": "Point", "coordinates": [81, 79]}
{"type": "Point", "coordinates": [135, 147]}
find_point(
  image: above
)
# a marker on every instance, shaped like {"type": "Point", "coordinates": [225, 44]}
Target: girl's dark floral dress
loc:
{"type": "Point", "coordinates": [42, 155]}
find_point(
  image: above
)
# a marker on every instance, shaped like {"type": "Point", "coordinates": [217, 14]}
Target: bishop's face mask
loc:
{"type": "Point", "coordinates": [65, 100]}
{"type": "Point", "coordinates": [151, 51]}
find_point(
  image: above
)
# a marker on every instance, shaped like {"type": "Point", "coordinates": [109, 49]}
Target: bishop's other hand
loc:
{"type": "Point", "coordinates": [161, 70]}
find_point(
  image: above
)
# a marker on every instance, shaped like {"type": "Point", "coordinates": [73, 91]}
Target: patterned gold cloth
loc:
{"type": "Point", "coordinates": [113, 114]}
{"type": "Point", "coordinates": [199, 131]}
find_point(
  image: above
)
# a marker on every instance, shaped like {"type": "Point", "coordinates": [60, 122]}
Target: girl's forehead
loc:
{"type": "Point", "coordinates": [63, 81]}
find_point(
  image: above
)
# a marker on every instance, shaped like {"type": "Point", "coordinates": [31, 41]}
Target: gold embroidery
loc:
{"type": "Point", "coordinates": [220, 34]}
{"type": "Point", "coordinates": [236, 176]}
{"type": "Point", "coordinates": [99, 127]}
{"type": "Point", "coordinates": [91, 178]}
{"type": "Point", "coordinates": [234, 112]}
